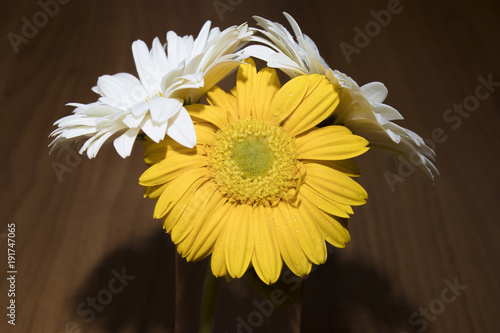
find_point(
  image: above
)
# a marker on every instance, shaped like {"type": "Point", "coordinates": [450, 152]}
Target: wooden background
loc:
{"type": "Point", "coordinates": [71, 235]}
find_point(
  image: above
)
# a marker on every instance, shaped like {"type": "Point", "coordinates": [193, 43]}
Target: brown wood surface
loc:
{"type": "Point", "coordinates": [407, 244]}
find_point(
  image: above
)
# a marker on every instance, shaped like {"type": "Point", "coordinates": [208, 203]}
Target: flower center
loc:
{"type": "Point", "coordinates": [253, 156]}
{"type": "Point", "coordinates": [254, 162]}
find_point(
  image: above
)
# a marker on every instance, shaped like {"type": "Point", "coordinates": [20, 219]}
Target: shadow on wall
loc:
{"type": "Point", "coordinates": [135, 290]}
{"type": "Point", "coordinates": [352, 297]}
{"type": "Point", "coordinates": [131, 289]}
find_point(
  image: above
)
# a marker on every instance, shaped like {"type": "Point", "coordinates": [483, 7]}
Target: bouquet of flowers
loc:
{"type": "Point", "coordinates": [256, 177]}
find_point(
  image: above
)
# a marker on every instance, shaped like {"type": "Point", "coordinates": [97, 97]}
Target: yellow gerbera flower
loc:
{"type": "Point", "coordinates": [264, 184]}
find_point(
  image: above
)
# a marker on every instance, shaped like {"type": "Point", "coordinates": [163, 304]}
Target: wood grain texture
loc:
{"type": "Point", "coordinates": [74, 235]}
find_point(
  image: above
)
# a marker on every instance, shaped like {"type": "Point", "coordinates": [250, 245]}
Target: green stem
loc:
{"type": "Point", "coordinates": [208, 302]}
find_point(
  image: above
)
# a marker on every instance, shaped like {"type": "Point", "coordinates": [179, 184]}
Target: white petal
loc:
{"type": "Point", "coordinates": [162, 108]}
{"type": "Point", "coordinates": [159, 57]}
{"type": "Point", "coordinates": [155, 131]}
{"type": "Point", "coordinates": [214, 32]}
{"type": "Point", "coordinates": [309, 44]}
{"type": "Point", "coordinates": [259, 51]}
{"type": "Point", "coordinates": [108, 85]}
{"type": "Point", "coordinates": [281, 61]}
{"type": "Point", "coordinates": [396, 138]}
{"type": "Point", "coordinates": [97, 90]}
{"type": "Point", "coordinates": [169, 79]}
{"type": "Point", "coordinates": [145, 66]}
{"type": "Point", "coordinates": [192, 66]}
{"type": "Point", "coordinates": [381, 119]}
{"type": "Point", "coordinates": [172, 48]}
{"type": "Point", "coordinates": [201, 40]}
{"type": "Point", "coordinates": [293, 23]}
{"type": "Point", "coordinates": [315, 66]}
{"type": "Point", "coordinates": [136, 115]}
{"type": "Point", "coordinates": [95, 143]}
{"type": "Point", "coordinates": [139, 109]}
{"type": "Point", "coordinates": [132, 86]}
{"type": "Point", "coordinates": [120, 90]}
{"type": "Point", "coordinates": [181, 129]}
{"type": "Point", "coordinates": [77, 132]}
{"type": "Point", "coordinates": [77, 120]}
{"type": "Point", "coordinates": [181, 83]}
{"type": "Point", "coordinates": [133, 121]}
{"type": "Point", "coordinates": [96, 109]}
{"type": "Point", "coordinates": [387, 111]}
{"type": "Point", "coordinates": [212, 76]}
{"type": "Point", "coordinates": [124, 143]}
{"type": "Point", "coordinates": [375, 92]}
{"type": "Point", "coordinates": [178, 48]}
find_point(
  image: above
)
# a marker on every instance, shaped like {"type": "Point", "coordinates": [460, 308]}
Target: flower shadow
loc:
{"type": "Point", "coordinates": [134, 289]}
{"type": "Point", "coordinates": [131, 289]}
{"type": "Point", "coordinates": [353, 296]}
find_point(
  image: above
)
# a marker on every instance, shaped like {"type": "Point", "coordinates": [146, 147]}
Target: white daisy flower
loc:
{"type": "Point", "coordinates": [169, 76]}
{"type": "Point", "coordinates": [361, 109]}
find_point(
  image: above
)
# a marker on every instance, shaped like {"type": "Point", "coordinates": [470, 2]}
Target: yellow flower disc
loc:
{"type": "Point", "coordinates": [253, 162]}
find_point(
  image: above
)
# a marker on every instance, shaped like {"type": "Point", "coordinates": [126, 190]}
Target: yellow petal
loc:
{"type": "Point", "coordinates": [315, 108]}
{"type": "Point", "coordinates": [154, 192]}
{"type": "Point", "coordinates": [212, 233]}
{"type": "Point", "coordinates": [240, 240]}
{"type": "Point", "coordinates": [245, 88]}
{"type": "Point", "coordinates": [176, 189]}
{"type": "Point", "coordinates": [286, 237]}
{"type": "Point", "coordinates": [308, 234]}
{"type": "Point", "coordinates": [157, 152]}
{"type": "Point", "coordinates": [171, 168]}
{"type": "Point", "coordinates": [311, 99]}
{"type": "Point", "coordinates": [218, 259]}
{"type": "Point", "coordinates": [197, 209]}
{"type": "Point", "coordinates": [205, 113]}
{"type": "Point", "coordinates": [204, 226]}
{"type": "Point", "coordinates": [224, 101]}
{"type": "Point", "coordinates": [267, 85]}
{"type": "Point", "coordinates": [349, 167]}
{"type": "Point", "coordinates": [330, 143]}
{"type": "Point", "coordinates": [205, 134]}
{"type": "Point", "coordinates": [176, 208]}
{"type": "Point", "coordinates": [335, 185]}
{"type": "Point", "coordinates": [289, 97]}
{"type": "Point", "coordinates": [326, 204]}
{"type": "Point", "coordinates": [214, 73]}
{"type": "Point", "coordinates": [334, 229]}
{"type": "Point", "coordinates": [266, 258]}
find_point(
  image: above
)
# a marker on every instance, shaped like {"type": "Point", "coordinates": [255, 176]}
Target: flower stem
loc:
{"type": "Point", "coordinates": [208, 302]}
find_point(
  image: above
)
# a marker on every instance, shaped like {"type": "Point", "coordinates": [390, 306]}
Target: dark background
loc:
{"type": "Point", "coordinates": [408, 242]}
